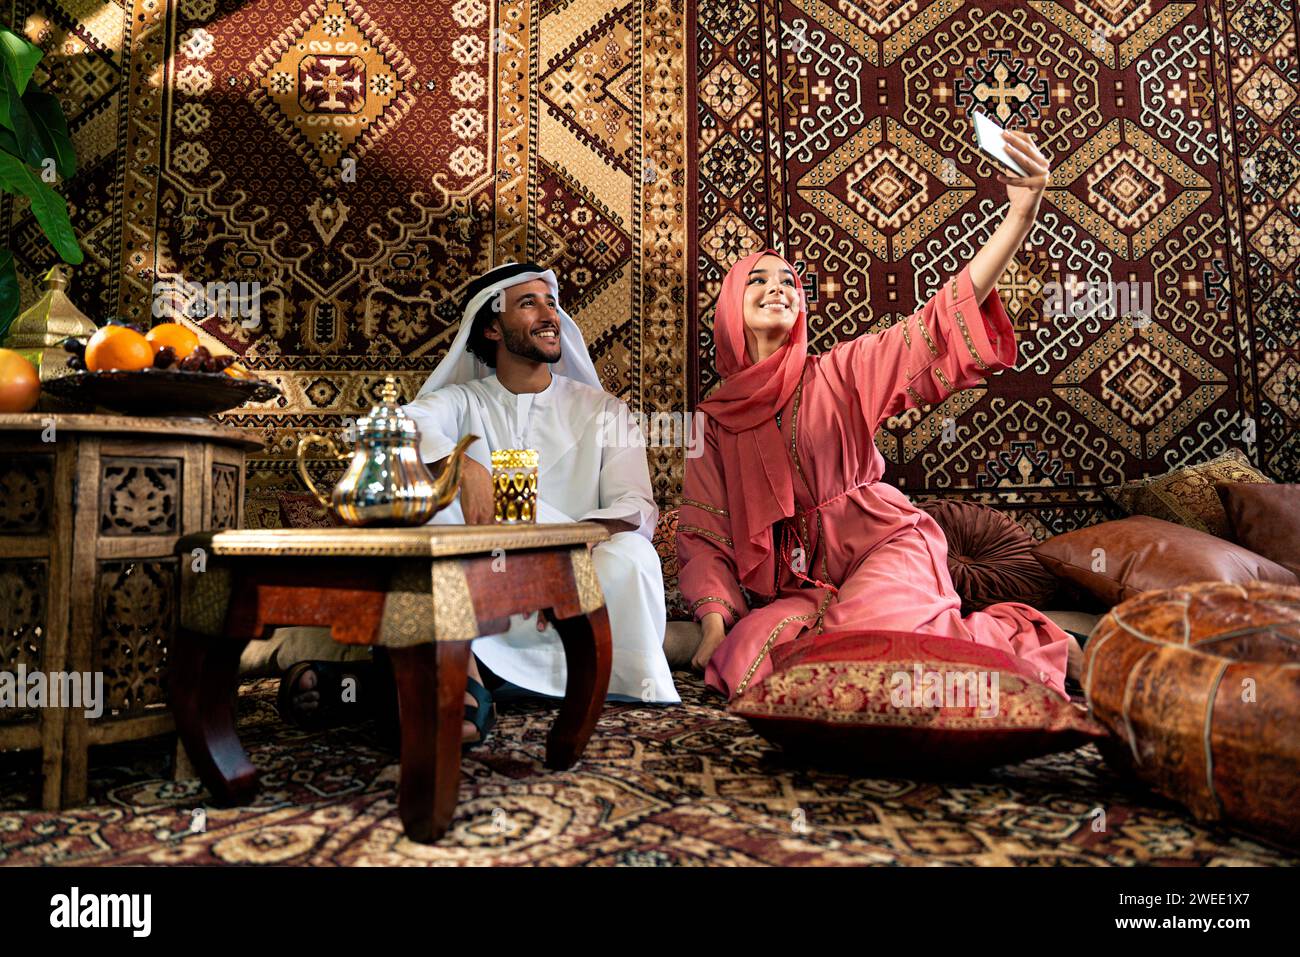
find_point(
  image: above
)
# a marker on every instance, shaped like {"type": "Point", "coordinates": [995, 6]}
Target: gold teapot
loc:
{"type": "Point", "coordinates": [386, 483]}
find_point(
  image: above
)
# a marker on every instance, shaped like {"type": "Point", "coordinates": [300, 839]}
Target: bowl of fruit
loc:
{"type": "Point", "coordinates": [162, 372]}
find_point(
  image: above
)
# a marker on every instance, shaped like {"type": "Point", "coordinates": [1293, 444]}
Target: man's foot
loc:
{"type": "Point", "coordinates": [480, 714]}
{"type": "Point", "coordinates": [317, 694]}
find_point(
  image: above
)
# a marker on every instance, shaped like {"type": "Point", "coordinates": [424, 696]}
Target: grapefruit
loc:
{"type": "Point", "coordinates": [20, 385]}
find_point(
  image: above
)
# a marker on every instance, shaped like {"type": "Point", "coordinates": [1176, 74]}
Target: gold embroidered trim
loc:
{"type": "Point", "coordinates": [590, 597]}
{"type": "Point", "coordinates": [925, 334]}
{"type": "Point", "coordinates": [706, 533]}
{"type": "Point", "coordinates": [794, 438]}
{"type": "Point", "coordinates": [943, 380]}
{"type": "Point", "coordinates": [970, 343]}
{"type": "Point", "coordinates": [708, 508]}
{"type": "Point", "coordinates": [916, 397]}
{"type": "Point", "coordinates": [771, 639]}
{"type": "Point", "coordinates": [453, 608]}
{"type": "Point", "coordinates": [907, 336]}
{"type": "Point", "coordinates": [954, 290]}
{"type": "Point", "coordinates": [821, 544]}
{"type": "Point", "coordinates": [713, 598]}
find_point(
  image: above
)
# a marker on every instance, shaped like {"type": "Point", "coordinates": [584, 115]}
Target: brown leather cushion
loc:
{"type": "Point", "coordinates": [990, 556]}
{"type": "Point", "coordinates": [1187, 495]}
{"type": "Point", "coordinates": [1115, 561]}
{"type": "Point", "coordinates": [1265, 519]}
{"type": "Point", "coordinates": [1201, 685]}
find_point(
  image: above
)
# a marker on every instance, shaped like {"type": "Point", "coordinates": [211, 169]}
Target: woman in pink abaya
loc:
{"type": "Point", "coordinates": [787, 499]}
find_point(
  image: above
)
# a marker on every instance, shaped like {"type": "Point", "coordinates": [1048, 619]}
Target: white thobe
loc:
{"type": "Point", "coordinates": [582, 475]}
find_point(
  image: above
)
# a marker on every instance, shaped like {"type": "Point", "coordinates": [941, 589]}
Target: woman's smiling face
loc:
{"type": "Point", "coordinates": [771, 302]}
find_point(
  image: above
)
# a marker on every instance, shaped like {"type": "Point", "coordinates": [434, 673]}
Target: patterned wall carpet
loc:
{"type": "Point", "coordinates": [825, 129]}
{"type": "Point", "coordinates": [686, 785]}
{"type": "Point", "coordinates": [361, 158]}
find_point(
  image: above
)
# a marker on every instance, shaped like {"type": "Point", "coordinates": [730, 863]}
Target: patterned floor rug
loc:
{"type": "Point", "coordinates": [686, 785]}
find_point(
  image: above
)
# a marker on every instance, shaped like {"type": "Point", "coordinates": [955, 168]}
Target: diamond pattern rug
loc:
{"type": "Point", "coordinates": [658, 786]}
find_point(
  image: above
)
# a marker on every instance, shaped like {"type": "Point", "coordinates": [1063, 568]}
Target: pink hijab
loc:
{"type": "Point", "coordinates": [759, 489]}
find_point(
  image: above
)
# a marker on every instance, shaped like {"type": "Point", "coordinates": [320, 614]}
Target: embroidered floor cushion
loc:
{"type": "Point", "coordinates": [990, 556]}
{"type": "Point", "coordinates": [1187, 495]}
{"type": "Point", "coordinates": [920, 703]}
{"type": "Point", "coordinates": [1201, 686]}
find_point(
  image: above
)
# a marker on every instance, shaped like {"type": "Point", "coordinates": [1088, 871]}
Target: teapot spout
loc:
{"type": "Point", "coordinates": [447, 485]}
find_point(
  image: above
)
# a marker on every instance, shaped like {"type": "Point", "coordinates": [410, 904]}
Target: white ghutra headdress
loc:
{"type": "Point", "coordinates": [460, 365]}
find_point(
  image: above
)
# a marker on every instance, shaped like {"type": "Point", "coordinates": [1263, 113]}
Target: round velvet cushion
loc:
{"type": "Point", "coordinates": [990, 556]}
{"type": "Point", "coordinates": [1201, 684]}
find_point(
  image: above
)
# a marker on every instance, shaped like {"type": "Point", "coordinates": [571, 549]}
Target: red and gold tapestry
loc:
{"type": "Point", "coordinates": [360, 161]}
{"type": "Point", "coordinates": [840, 134]}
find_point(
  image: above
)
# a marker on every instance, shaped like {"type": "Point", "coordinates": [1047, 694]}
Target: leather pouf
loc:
{"type": "Point", "coordinates": [990, 556]}
{"type": "Point", "coordinates": [1201, 687]}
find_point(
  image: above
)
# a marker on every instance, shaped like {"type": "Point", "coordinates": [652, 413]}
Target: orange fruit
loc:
{"type": "Point", "coordinates": [117, 347]}
{"type": "Point", "coordinates": [183, 341]}
{"type": "Point", "coordinates": [20, 384]}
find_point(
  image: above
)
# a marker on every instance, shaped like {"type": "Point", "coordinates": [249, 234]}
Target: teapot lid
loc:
{"type": "Point", "coordinates": [387, 420]}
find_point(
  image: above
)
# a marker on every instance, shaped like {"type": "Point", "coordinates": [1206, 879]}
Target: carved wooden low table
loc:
{"type": "Point", "coordinates": [91, 507]}
{"type": "Point", "coordinates": [422, 594]}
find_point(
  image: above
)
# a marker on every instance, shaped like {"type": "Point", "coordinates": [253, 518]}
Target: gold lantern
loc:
{"type": "Point", "coordinates": [38, 332]}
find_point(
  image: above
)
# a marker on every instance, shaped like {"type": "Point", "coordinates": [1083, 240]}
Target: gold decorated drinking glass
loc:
{"type": "Point", "coordinates": [514, 486]}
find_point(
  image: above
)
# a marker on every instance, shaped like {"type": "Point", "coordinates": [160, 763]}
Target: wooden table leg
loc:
{"type": "Point", "coordinates": [588, 652]}
{"type": "Point", "coordinates": [431, 704]}
{"type": "Point", "coordinates": [204, 678]}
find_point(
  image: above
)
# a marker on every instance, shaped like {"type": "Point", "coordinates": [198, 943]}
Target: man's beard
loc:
{"type": "Point", "coordinates": [521, 344]}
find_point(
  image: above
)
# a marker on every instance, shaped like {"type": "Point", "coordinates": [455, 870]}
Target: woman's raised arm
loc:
{"type": "Point", "coordinates": [1023, 196]}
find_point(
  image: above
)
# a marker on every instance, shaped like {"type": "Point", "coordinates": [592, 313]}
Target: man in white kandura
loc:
{"type": "Point", "coordinates": [518, 375]}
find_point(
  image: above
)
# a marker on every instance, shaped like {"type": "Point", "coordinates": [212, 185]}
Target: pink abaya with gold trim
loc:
{"type": "Point", "coordinates": [885, 558]}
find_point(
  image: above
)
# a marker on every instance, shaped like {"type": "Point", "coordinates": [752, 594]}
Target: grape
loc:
{"type": "Point", "coordinates": [192, 362]}
{"type": "Point", "coordinates": [222, 363]}
{"type": "Point", "coordinates": [164, 358]}
{"type": "Point", "coordinates": [77, 364]}
{"type": "Point", "coordinates": [74, 347]}
{"type": "Point", "coordinates": [202, 352]}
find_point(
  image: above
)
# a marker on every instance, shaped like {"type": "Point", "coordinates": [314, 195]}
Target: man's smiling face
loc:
{"type": "Point", "coordinates": [529, 325]}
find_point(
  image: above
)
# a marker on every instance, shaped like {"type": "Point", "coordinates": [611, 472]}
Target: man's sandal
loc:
{"type": "Point", "coordinates": [483, 715]}
{"type": "Point", "coordinates": [331, 708]}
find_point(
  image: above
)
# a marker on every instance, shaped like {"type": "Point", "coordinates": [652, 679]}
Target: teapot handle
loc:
{"type": "Point", "coordinates": [306, 442]}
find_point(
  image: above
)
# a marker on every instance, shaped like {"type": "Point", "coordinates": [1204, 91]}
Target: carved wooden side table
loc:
{"type": "Point", "coordinates": [423, 594]}
{"type": "Point", "coordinates": [91, 507]}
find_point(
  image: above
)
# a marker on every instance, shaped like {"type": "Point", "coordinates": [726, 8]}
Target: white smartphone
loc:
{"type": "Point", "coordinates": [988, 135]}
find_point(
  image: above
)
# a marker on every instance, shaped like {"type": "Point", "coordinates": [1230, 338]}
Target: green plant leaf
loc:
{"type": "Point", "coordinates": [13, 116]}
{"type": "Point", "coordinates": [20, 57]}
{"type": "Point", "coordinates": [48, 206]}
{"type": "Point", "coordinates": [8, 293]}
{"type": "Point", "coordinates": [52, 130]}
